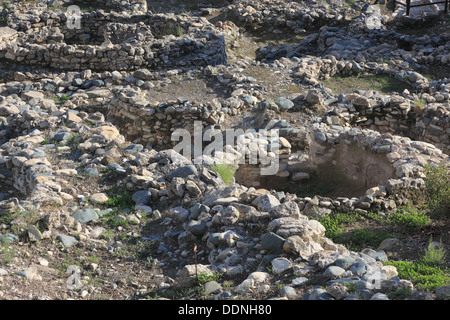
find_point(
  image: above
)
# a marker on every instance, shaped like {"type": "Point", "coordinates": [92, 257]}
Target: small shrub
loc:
{"type": "Point", "coordinates": [62, 99]}
{"type": "Point", "coordinates": [437, 189]}
{"type": "Point", "coordinates": [119, 197]}
{"type": "Point", "coordinates": [433, 255]}
{"type": "Point", "coordinates": [8, 252]}
{"type": "Point", "coordinates": [226, 171]}
{"type": "Point", "coordinates": [205, 277]}
{"type": "Point", "coordinates": [420, 102]}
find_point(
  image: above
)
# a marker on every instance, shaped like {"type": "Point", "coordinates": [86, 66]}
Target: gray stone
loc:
{"type": "Point", "coordinates": [85, 215]}
{"type": "Point", "coordinates": [34, 234]}
{"type": "Point", "coordinates": [443, 292]}
{"type": "Point", "coordinates": [8, 238]}
{"type": "Point", "coordinates": [133, 148]}
{"type": "Point", "coordinates": [62, 136]}
{"type": "Point", "coordinates": [266, 202]}
{"type": "Point", "coordinates": [197, 209]}
{"type": "Point", "coordinates": [91, 171]}
{"type": "Point", "coordinates": [347, 280]}
{"type": "Point", "coordinates": [288, 291]}
{"type": "Point", "coordinates": [333, 272]}
{"type": "Point", "coordinates": [272, 242]}
{"type": "Point", "coordinates": [338, 291]}
{"type": "Point", "coordinates": [211, 287]}
{"type": "Point", "coordinates": [29, 273]}
{"type": "Point", "coordinates": [286, 209]}
{"type": "Point", "coordinates": [379, 296]}
{"type": "Point", "coordinates": [142, 197]}
{"type": "Point", "coordinates": [299, 176]}
{"type": "Point", "coordinates": [389, 244]}
{"type": "Point", "coordinates": [359, 267]}
{"type": "Point", "coordinates": [345, 262]}
{"type": "Point", "coordinates": [214, 238]}
{"type": "Point", "coordinates": [66, 241]}
{"type": "Point", "coordinates": [196, 227]}
{"type": "Point", "coordinates": [283, 103]}
{"type": "Point", "coordinates": [279, 265]}
{"type": "Point", "coordinates": [377, 255]}
{"type": "Point", "coordinates": [320, 136]}
{"type": "Point", "coordinates": [299, 281]}
{"type": "Point", "coordinates": [313, 97]}
{"type": "Point", "coordinates": [180, 213]}
{"type": "Point", "coordinates": [294, 244]}
{"type": "Point", "coordinates": [181, 172]}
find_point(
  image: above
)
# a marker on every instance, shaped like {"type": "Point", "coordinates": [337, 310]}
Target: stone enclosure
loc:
{"type": "Point", "coordinates": [112, 41]}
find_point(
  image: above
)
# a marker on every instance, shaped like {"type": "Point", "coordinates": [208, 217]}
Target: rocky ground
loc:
{"type": "Point", "coordinates": [91, 210]}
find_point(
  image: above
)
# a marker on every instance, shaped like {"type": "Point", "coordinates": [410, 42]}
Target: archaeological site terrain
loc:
{"type": "Point", "coordinates": [224, 150]}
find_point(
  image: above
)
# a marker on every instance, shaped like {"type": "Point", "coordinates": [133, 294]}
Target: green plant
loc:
{"type": "Point", "coordinates": [119, 197]}
{"type": "Point", "coordinates": [433, 255]}
{"type": "Point", "coordinates": [205, 277]}
{"type": "Point", "coordinates": [409, 217]}
{"type": "Point", "coordinates": [8, 252]}
{"type": "Point", "coordinates": [424, 276]}
{"type": "Point", "coordinates": [420, 102]}
{"type": "Point", "coordinates": [172, 29]}
{"type": "Point", "coordinates": [115, 219]}
{"type": "Point", "coordinates": [356, 238]}
{"type": "Point", "coordinates": [226, 171]}
{"type": "Point", "coordinates": [93, 259]}
{"type": "Point", "coordinates": [62, 99]}
{"type": "Point", "coordinates": [427, 273]}
{"type": "Point", "coordinates": [437, 189]}
{"type": "Point", "coordinates": [382, 83]}
{"type": "Point", "coordinates": [334, 222]}
{"type": "Point", "coordinates": [73, 142]}
{"type": "Point", "coordinates": [400, 294]}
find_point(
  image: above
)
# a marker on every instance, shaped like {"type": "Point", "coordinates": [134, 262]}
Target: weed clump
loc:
{"type": "Point", "coordinates": [226, 171]}
{"type": "Point", "coordinates": [437, 189]}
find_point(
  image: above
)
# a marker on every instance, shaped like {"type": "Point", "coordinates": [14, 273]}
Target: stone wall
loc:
{"type": "Point", "coordinates": [134, 6]}
{"type": "Point", "coordinates": [380, 170]}
{"type": "Point", "coordinates": [369, 158]}
{"type": "Point", "coordinates": [418, 120]}
{"type": "Point", "coordinates": [118, 43]}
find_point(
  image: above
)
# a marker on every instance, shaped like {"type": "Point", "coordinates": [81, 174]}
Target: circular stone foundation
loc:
{"type": "Point", "coordinates": [109, 41]}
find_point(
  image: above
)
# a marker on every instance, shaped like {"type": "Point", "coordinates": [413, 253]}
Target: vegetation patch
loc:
{"type": "Point", "coordinates": [226, 171]}
{"type": "Point", "coordinates": [429, 272]}
{"type": "Point", "coordinates": [437, 189]}
{"type": "Point", "coordinates": [357, 230]}
{"type": "Point", "coordinates": [381, 83]}
{"type": "Point", "coordinates": [119, 197]}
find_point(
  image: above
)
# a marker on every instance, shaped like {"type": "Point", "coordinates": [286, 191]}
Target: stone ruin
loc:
{"type": "Point", "coordinates": [141, 41]}
{"type": "Point", "coordinates": [111, 41]}
{"type": "Point", "coordinates": [365, 144]}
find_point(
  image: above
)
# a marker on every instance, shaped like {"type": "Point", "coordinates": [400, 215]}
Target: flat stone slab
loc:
{"type": "Point", "coordinates": [6, 36]}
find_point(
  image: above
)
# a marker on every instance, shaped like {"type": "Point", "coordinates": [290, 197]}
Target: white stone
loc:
{"type": "Point", "coordinates": [279, 265]}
